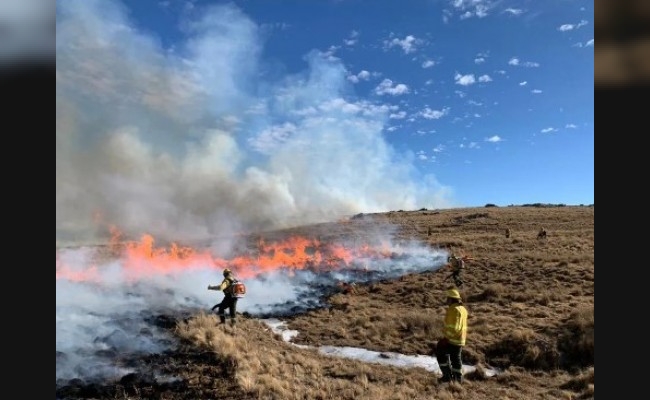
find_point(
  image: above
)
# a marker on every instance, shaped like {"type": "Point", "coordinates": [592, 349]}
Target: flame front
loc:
{"type": "Point", "coordinates": [143, 259]}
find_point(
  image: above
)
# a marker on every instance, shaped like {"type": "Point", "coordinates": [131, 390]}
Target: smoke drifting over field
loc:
{"type": "Point", "coordinates": [106, 311]}
{"type": "Point", "coordinates": [201, 140]}
{"type": "Point", "coordinates": [200, 144]}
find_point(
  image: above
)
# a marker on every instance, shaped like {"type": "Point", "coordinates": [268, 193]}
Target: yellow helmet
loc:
{"type": "Point", "coordinates": [453, 294]}
{"type": "Point", "coordinates": [227, 272]}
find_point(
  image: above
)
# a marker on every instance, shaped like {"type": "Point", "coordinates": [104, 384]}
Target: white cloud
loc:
{"type": "Point", "coordinates": [514, 11]}
{"type": "Point", "coordinates": [329, 54]}
{"type": "Point", "coordinates": [352, 39]}
{"type": "Point", "coordinates": [341, 106]}
{"type": "Point", "coordinates": [523, 83]}
{"type": "Point", "coordinates": [570, 27]}
{"type": "Point", "coordinates": [464, 80]}
{"type": "Point", "coordinates": [571, 126]}
{"type": "Point", "coordinates": [481, 57]}
{"type": "Point", "coordinates": [361, 76]}
{"type": "Point", "coordinates": [386, 87]}
{"type": "Point", "coordinates": [494, 139]}
{"type": "Point", "coordinates": [428, 64]}
{"type": "Point", "coordinates": [549, 129]}
{"type": "Point", "coordinates": [398, 115]}
{"type": "Point", "coordinates": [536, 91]}
{"type": "Point", "coordinates": [365, 75]}
{"type": "Point", "coordinates": [408, 44]}
{"type": "Point", "coordinates": [470, 8]}
{"type": "Point", "coordinates": [517, 62]}
{"type": "Point", "coordinates": [428, 113]}
{"type": "Point", "coordinates": [590, 43]}
{"type": "Point", "coordinates": [439, 148]}
{"type": "Point", "coordinates": [484, 78]}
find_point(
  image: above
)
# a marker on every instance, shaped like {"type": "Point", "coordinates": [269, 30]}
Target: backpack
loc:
{"type": "Point", "coordinates": [237, 288]}
{"type": "Point", "coordinates": [457, 263]}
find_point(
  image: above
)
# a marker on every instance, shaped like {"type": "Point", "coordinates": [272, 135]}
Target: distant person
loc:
{"type": "Point", "coordinates": [457, 265]}
{"type": "Point", "coordinates": [429, 231]}
{"type": "Point", "coordinates": [449, 349]}
{"type": "Point", "coordinates": [507, 232]}
{"type": "Point", "coordinates": [541, 234]}
{"type": "Point", "coordinates": [229, 300]}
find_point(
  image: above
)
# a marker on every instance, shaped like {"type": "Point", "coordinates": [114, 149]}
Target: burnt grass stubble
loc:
{"type": "Point", "coordinates": [530, 300]}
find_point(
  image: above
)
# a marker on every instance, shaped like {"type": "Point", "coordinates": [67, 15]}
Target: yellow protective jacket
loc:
{"type": "Point", "coordinates": [455, 329]}
{"type": "Point", "coordinates": [225, 285]}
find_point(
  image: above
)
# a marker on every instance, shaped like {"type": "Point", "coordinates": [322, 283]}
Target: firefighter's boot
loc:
{"type": "Point", "coordinates": [457, 376]}
{"type": "Point", "coordinates": [446, 373]}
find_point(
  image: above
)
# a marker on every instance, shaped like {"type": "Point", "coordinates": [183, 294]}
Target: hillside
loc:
{"type": "Point", "coordinates": [531, 316]}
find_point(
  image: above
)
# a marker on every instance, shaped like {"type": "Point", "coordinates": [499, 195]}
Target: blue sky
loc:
{"type": "Point", "coordinates": [321, 107]}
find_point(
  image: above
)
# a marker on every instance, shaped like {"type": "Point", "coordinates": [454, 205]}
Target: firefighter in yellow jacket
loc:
{"type": "Point", "coordinates": [449, 349]}
{"type": "Point", "coordinates": [229, 300]}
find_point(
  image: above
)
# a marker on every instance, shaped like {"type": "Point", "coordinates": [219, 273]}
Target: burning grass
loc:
{"type": "Point", "coordinates": [531, 314]}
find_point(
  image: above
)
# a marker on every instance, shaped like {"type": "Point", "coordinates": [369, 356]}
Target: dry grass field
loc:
{"type": "Point", "coordinates": [531, 315]}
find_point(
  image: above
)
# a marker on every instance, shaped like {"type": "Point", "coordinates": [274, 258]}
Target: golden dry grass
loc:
{"type": "Point", "coordinates": [531, 314]}
{"type": "Point", "coordinates": [531, 305]}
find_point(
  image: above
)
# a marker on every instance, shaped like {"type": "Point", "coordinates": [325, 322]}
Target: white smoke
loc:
{"type": "Point", "coordinates": [110, 315]}
{"type": "Point", "coordinates": [192, 142]}
{"type": "Point", "coordinates": [196, 144]}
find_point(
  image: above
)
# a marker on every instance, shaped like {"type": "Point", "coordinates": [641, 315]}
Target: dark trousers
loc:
{"type": "Point", "coordinates": [450, 361]}
{"type": "Point", "coordinates": [230, 303]}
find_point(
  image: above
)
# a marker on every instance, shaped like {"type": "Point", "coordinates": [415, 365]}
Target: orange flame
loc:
{"type": "Point", "coordinates": [143, 258]}
{"type": "Point", "coordinates": [66, 272]}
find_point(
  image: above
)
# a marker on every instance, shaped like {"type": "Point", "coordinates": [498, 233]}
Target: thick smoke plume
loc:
{"type": "Point", "coordinates": [106, 310]}
{"type": "Point", "coordinates": [201, 139]}
{"type": "Point", "coordinates": [200, 142]}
